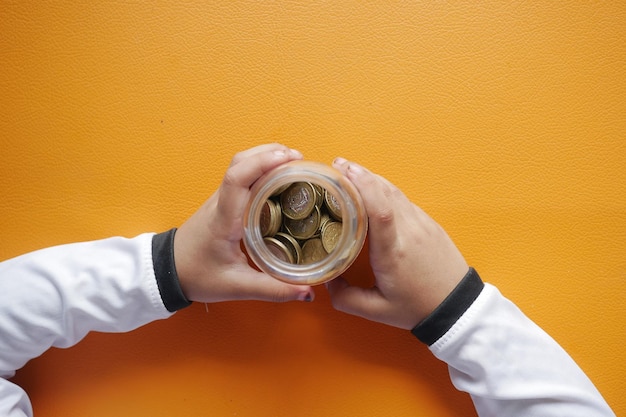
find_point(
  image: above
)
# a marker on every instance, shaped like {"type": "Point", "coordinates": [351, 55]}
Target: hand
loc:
{"type": "Point", "coordinates": [415, 264]}
{"type": "Point", "coordinates": [209, 260]}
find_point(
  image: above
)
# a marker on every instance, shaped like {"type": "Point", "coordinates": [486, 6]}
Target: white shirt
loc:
{"type": "Point", "coordinates": [55, 296]}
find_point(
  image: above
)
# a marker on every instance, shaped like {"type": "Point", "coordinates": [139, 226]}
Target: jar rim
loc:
{"type": "Point", "coordinates": [354, 221]}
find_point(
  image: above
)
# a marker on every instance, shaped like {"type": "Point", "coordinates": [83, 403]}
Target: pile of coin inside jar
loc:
{"type": "Point", "coordinates": [301, 223]}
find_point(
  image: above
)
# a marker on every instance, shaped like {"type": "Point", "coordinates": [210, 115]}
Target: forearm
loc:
{"type": "Point", "coordinates": [55, 296]}
{"type": "Point", "coordinates": [508, 364]}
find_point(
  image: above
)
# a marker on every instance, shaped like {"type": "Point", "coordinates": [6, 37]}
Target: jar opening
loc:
{"type": "Point", "coordinates": [305, 218]}
{"type": "Point", "coordinates": [304, 225]}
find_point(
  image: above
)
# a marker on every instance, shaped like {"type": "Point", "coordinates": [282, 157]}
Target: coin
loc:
{"type": "Point", "coordinates": [313, 251]}
{"type": "Point", "coordinates": [279, 250]}
{"type": "Point", "coordinates": [265, 218]}
{"type": "Point", "coordinates": [292, 244]}
{"type": "Point", "coordinates": [319, 195]}
{"type": "Point", "coordinates": [277, 216]}
{"type": "Point", "coordinates": [270, 218]}
{"type": "Point", "coordinates": [333, 206]}
{"type": "Point", "coordinates": [325, 218]}
{"type": "Point", "coordinates": [304, 228]}
{"type": "Point", "coordinates": [298, 201]}
{"type": "Point", "coordinates": [331, 235]}
{"type": "Point", "coordinates": [301, 223]}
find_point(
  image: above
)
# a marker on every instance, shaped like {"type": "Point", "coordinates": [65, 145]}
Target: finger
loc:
{"type": "Point", "coordinates": [235, 188]}
{"type": "Point", "coordinates": [254, 285]}
{"type": "Point", "coordinates": [368, 303]}
{"type": "Point", "coordinates": [377, 194]}
{"type": "Point", "coordinates": [247, 170]}
{"type": "Point", "coordinates": [243, 155]}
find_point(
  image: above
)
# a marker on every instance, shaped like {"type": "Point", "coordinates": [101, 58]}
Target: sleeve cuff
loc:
{"type": "Point", "coordinates": [434, 326]}
{"type": "Point", "coordinates": [165, 271]}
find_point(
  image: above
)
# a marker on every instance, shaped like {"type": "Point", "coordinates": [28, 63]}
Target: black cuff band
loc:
{"type": "Point", "coordinates": [165, 271]}
{"type": "Point", "coordinates": [450, 310]}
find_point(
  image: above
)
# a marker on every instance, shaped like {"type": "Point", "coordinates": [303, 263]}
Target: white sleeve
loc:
{"type": "Point", "coordinates": [55, 296]}
{"type": "Point", "coordinates": [511, 367]}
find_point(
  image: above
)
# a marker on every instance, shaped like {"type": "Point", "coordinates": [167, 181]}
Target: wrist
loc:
{"type": "Point", "coordinates": [443, 317]}
{"type": "Point", "coordinates": [165, 271]}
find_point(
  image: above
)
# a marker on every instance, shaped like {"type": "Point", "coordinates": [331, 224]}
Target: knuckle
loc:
{"type": "Point", "coordinates": [385, 215]}
{"type": "Point", "coordinates": [229, 178]}
{"type": "Point", "coordinates": [237, 158]}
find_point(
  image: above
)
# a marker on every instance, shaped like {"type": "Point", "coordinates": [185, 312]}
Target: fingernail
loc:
{"type": "Point", "coordinates": [340, 164]}
{"type": "Point", "coordinates": [339, 161]}
{"type": "Point", "coordinates": [306, 297]}
{"type": "Point", "coordinates": [280, 153]}
{"type": "Point", "coordinates": [296, 153]}
{"type": "Point", "coordinates": [355, 169]}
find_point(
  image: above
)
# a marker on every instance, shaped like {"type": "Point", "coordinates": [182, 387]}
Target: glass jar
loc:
{"type": "Point", "coordinates": [352, 215]}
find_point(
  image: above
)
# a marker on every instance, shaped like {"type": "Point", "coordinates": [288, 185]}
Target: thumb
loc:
{"type": "Point", "coordinates": [368, 303]}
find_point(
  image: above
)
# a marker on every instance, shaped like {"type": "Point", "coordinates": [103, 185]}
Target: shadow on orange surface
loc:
{"type": "Point", "coordinates": [293, 350]}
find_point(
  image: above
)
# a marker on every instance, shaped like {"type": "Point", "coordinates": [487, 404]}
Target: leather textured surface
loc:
{"type": "Point", "coordinates": [504, 121]}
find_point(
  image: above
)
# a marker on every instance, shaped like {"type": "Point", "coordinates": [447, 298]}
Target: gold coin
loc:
{"type": "Point", "coordinates": [279, 250]}
{"type": "Point", "coordinates": [292, 244]}
{"type": "Point", "coordinates": [270, 219]}
{"type": "Point", "coordinates": [313, 251]}
{"type": "Point", "coordinates": [333, 206]}
{"type": "Point", "coordinates": [304, 228]}
{"type": "Point", "coordinates": [277, 216]}
{"type": "Point", "coordinates": [331, 235]}
{"type": "Point", "coordinates": [319, 195]}
{"type": "Point", "coordinates": [324, 219]}
{"type": "Point", "coordinates": [298, 201]}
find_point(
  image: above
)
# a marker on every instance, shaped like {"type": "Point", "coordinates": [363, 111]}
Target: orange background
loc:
{"type": "Point", "coordinates": [505, 122]}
